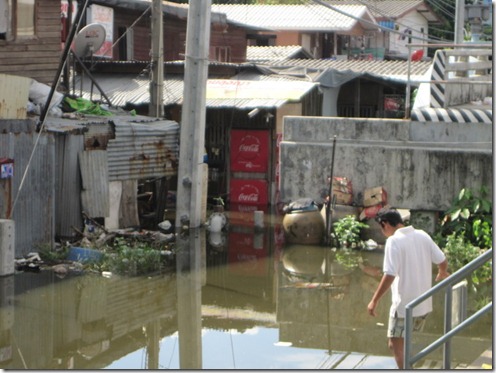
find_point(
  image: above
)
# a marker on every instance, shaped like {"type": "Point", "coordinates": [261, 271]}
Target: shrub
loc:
{"type": "Point", "coordinates": [469, 216]}
{"type": "Point", "coordinates": [347, 232]}
{"type": "Point", "coordinates": [131, 258]}
{"type": "Point", "coordinates": [460, 252]}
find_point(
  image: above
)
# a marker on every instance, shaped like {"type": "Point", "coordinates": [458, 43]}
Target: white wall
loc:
{"type": "Point", "coordinates": [413, 21]}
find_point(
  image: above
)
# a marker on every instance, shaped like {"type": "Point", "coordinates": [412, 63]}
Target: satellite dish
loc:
{"type": "Point", "coordinates": [89, 40]}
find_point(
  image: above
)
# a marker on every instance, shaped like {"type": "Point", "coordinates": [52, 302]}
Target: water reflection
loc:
{"type": "Point", "coordinates": [239, 301]}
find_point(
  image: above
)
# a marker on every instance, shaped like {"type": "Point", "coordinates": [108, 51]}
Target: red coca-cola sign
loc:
{"type": "Point", "coordinates": [249, 150]}
{"type": "Point", "coordinates": [249, 192]}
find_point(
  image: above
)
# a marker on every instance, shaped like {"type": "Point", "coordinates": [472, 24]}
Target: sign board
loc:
{"type": "Point", "coordinates": [249, 150]}
{"type": "Point", "coordinates": [246, 89]}
{"type": "Point", "coordinates": [249, 191]}
{"type": "Point", "coordinates": [6, 168]}
{"type": "Point", "coordinates": [104, 16]}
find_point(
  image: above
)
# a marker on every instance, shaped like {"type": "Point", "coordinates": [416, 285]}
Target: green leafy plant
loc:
{"type": "Point", "coordinates": [347, 232]}
{"type": "Point", "coordinates": [470, 215]}
{"type": "Point", "coordinates": [460, 252]}
{"type": "Point", "coordinates": [131, 258]}
{"type": "Point", "coordinates": [49, 255]}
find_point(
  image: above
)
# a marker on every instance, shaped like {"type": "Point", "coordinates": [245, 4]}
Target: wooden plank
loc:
{"type": "Point", "coordinates": [14, 93]}
{"type": "Point", "coordinates": [129, 205]}
{"type": "Point", "coordinates": [95, 184]}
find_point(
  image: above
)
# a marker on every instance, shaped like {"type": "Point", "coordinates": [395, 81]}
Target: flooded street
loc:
{"type": "Point", "coordinates": [238, 300]}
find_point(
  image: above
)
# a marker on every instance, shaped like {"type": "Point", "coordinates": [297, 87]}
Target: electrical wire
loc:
{"type": "Point", "coordinates": [387, 29]}
{"type": "Point", "coordinates": [375, 9]}
{"type": "Point", "coordinates": [124, 34]}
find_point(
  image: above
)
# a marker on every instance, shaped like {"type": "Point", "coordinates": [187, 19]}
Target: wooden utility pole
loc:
{"type": "Point", "coordinates": [190, 173]}
{"type": "Point", "coordinates": [156, 108]}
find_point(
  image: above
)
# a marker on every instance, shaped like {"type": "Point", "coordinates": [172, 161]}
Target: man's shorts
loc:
{"type": "Point", "coordinates": [396, 326]}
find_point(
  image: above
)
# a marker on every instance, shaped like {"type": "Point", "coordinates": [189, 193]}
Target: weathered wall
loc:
{"type": "Point", "coordinates": [422, 166]}
{"type": "Point", "coordinates": [35, 57]}
{"type": "Point", "coordinates": [34, 210]}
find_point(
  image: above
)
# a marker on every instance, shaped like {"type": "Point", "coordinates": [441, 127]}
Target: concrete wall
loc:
{"type": "Point", "coordinates": [422, 166]}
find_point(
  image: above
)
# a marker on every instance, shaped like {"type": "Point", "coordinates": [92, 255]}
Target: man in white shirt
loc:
{"type": "Point", "coordinates": [408, 257]}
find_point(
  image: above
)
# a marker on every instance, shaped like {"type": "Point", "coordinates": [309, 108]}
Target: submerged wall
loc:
{"type": "Point", "coordinates": [422, 166]}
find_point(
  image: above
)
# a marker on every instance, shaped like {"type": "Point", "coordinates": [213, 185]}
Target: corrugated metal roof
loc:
{"type": "Point", "coordinates": [137, 146]}
{"type": "Point", "coordinates": [124, 89]}
{"type": "Point", "coordinates": [258, 54]}
{"type": "Point", "coordinates": [174, 9]}
{"type": "Point", "coordinates": [397, 68]}
{"type": "Point", "coordinates": [307, 17]}
{"type": "Point", "coordinates": [383, 9]}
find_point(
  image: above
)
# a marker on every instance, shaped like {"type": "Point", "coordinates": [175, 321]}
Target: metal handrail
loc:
{"type": "Point", "coordinates": [448, 332]}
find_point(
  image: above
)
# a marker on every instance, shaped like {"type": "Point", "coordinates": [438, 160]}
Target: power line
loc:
{"type": "Point", "coordinates": [387, 29]}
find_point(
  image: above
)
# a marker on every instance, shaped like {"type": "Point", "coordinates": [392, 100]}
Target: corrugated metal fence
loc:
{"type": "Point", "coordinates": [48, 206]}
{"type": "Point", "coordinates": [33, 211]}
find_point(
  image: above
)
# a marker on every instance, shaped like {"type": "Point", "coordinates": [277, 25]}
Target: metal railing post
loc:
{"type": "Point", "coordinates": [408, 341]}
{"type": "Point", "coordinates": [449, 331]}
{"type": "Point", "coordinates": [448, 296]}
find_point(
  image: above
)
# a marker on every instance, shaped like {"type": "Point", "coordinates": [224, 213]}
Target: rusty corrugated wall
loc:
{"type": "Point", "coordinates": [143, 150]}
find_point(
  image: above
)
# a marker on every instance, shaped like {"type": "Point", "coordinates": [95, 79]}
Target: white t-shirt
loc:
{"type": "Point", "coordinates": [409, 256]}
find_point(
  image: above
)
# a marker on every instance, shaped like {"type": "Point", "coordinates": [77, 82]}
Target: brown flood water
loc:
{"type": "Point", "coordinates": [242, 300]}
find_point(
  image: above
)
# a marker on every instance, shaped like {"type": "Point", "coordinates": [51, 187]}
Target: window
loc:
{"type": "Point", "coordinates": [17, 19]}
{"type": "Point", "coordinates": [223, 54]}
{"type": "Point", "coordinates": [126, 44]}
{"type": "Point", "coordinates": [25, 18]}
{"type": "Point", "coordinates": [5, 7]}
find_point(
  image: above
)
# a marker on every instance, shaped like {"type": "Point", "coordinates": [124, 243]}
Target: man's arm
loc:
{"type": "Point", "coordinates": [383, 286]}
{"type": "Point", "coordinates": [442, 272]}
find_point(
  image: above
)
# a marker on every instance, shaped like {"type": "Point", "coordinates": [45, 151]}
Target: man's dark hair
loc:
{"type": "Point", "coordinates": [390, 216]}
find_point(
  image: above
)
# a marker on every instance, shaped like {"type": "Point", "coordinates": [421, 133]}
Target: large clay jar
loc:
{"type": "Point", "coordinates": [304, 227]}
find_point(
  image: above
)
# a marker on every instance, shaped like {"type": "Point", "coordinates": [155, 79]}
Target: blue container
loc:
{"type": "Point", "coordinates": [83, 254]}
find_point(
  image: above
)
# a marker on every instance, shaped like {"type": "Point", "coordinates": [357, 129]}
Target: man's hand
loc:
{"type": "Point", "coordinates": [442, 272]}
{"type": "Point", "coordinates": [441, 275]}
{"type": "Point", "coordinates": [371, 308]}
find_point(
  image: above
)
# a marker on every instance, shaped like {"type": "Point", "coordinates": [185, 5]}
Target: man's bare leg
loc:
{"type": "Point", "coordinates": [396, 345]}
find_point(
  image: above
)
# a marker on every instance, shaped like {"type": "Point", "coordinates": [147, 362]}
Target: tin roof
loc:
{"type": "Point", "coordinates": [137, 146]}
{"type": "Point", "coordinates": [257, 54]}
{"type": "Point", "coordinates": [125, 89]}
{"type": "Point", "coordinates": [174, 9]}
{"type": "Point", "coordinates": [306, 17]}
{"type": "Point", "coordinates": [385, 9]}
{"type": "Point", "coordinates": [396, 68]}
